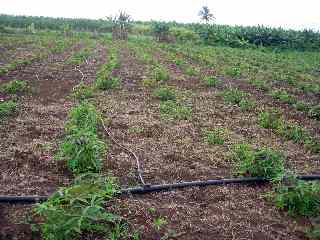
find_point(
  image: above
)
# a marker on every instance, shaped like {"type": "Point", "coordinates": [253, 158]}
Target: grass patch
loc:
{"type": "Point", "coordinates": [108, 83]}
{"type": "Point", "coordinates": [270, 120]}
{"type": "Point", "coordinates": [233, 96]}
{"type": "Point", "coordinates": [7, 108]}
{"type": "Point", "coordinates": [14, 86]}
{"type": "Point", "coordinates": [263, 162]}
{"type": "Point", "coordinates": [283, 96]}
{"type": "Point", "coordinates": [210, 81]}
{"type": "Point", "coordinates": [191, 71]}
{"type": "Point", "coordinates": [174, 110]}
{"type": "Point", "coordinates": [315, 112]}
{"type": "Point", "coordinates": [247, 104]}
{"type": "Point", "coordinates": [165, 93]}
{"type": "Point", "coordinates": [82, 91]}
{"type": "Point", "coordinates": [216, 136]}
{"type": "Point", "coordinates": [302, 106]}
{"type": "Point", "coordinates": [160, 74]}
{"type": "Point", "coordinates": [259, 84]}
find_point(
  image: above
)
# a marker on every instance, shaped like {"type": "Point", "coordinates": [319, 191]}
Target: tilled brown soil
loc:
{"type": "Point", "coordinates": [169, 151]}
{"type": "Point", "coordinates": [174, 151]}
{"type": "Point", "coordinates": [30, 137]}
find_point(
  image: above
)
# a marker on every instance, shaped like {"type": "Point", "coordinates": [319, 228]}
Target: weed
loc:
{"type": "Point", "coordinates": [260, 84]}
{"type": "Point", "coordinates": [191, 71]}
{"type": "Point", "coordinates": [159, 222]}
{"type": "Point", "coordinates": [315, 112]}
{"type": "Point", "coordinates": [160, 74]}
{"type": "Point", "coordinates": [297, 197]}
{"type": "Point", "coordinates": [270, 120]}
{"type": "Point", "coordinates": [216, 136]}
{"type": "Point", "coordinates": [165, 93]}
{"type": "Point", "coordinates": [108, 83]}
{"type": "Point", "coordinates": [78, 209]}
{"type": "Point", "coordinates": [82, 91]}
{"type": "Point", "coordinates": [179, 62]}
{"type": "Point", "coordinates": [263, 162]}
{"type": "Point", "coordinates": [233, 71]}
{"type": "Point", "coordinates": [14, 86]}
{"type": "Point", "coordinates": [312, 144]}
{"type": "Point", "coordinates": [247, 104]}
{"type": "Point", "coordinates": [302, 106]}
{"type": "Point", "coordinates": [149, 82]}
{"type": "Point", "coordinates": [210, 81]}
{"type": "Point", "coordinates": [283, 96]}
{"type": "Point", "coordinates": [7, 108]}
{"type": "Point", "coordinates": [234, 96]}
{"type": "Point", "coordinates": [293, 132]}
{"type": "Point", "coordinates": [172, 109]}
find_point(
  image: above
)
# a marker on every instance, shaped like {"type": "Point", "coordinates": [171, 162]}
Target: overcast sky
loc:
{"type": "Point", "coordinates": [295, 14]}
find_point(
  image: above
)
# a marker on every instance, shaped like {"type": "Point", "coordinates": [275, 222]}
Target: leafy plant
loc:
{"type": "Point", "coordinates": [82, 91]}
{"type": "Point", "coordinates": [172, 109]}
{"type": "Point", "coordinates": [160, 74]}
{"type": "Point", "coordinates": [82, 150]}
{"type": "Point", "coordinates": [159, 222]}
{"type": "Point", "coordinates": [165, 93]}
{"type": "Point", "coordinates": [191, 71]}
{"type": "Point", "coordinates": [210, 81]}
{"type": "Point", "coordinates": [270, 120]}
{"type": "Point", "coordinates": [293, 132]}
{"type": "Point", "coordinates": [83, 116]}
{"type": "Point", "coordinates": [79, 209]}
{"type": "Point", "coordinates": [283, 96]}
{"type": "Point", "coordinates": [302, 106]}
{"type": "Point", "coordinates": [247, 104]}
{"type": "Point", "coordinates": [263, 162]}
{"type": "Point", "coordinates": [297, 197]}
{"type": "Point", "coordinates": [7, 108]}
{"type": "Point", "coordinates": [315, 112]}
{"type": "Point", "coordinates": [108, 83]}
{"type": "Point", "coordinates": [234, 96]}
{"type": "Point", "coordinates": [14, 86]}
{"type": "Point", "coordinates": [216, 136]}
{"type": "Point", "coordinates": [260, 84]}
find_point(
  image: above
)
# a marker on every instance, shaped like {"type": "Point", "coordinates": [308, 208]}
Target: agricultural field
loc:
{"type": "Point", "coordinates": [77, 113]}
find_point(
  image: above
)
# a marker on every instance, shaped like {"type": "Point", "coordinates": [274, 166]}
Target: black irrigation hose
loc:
{"type": "Point", "coordinates": [163, 187]}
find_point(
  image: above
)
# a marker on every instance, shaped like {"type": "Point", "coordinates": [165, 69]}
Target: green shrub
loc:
{"type": "Point", "coordinates": [233, 71]}
{"type": "Point", "coordinates": [315, 112]}
{"type": "Point", "coordinates": [260, 84]}
{"type": "Point", "coordinates": [293, 132]}
{"type": "Point", "coordinates": [83, 116]}
{"type": "Point", "coordinates": [283, 96]}
{"type": "Point", "coordinates": [78, 210]}
{"type": "Point", "coordinates": [179, 62]}
{"type": "Point", "coordinates": [14, 86]}
{"type": "Point", "coordinates": [216, 136]}
{"type": "Point", "coordinates": [165, 93]}
{"type": "Point", "coordinates": [313, 144]}
{"type": "Point", "coordinates": [270, 120]}
{"type": "Point", "coordinates": [108, 83]}
{"type": "Point", "coordinates": [263, 162]}
{"type": "Point", "coordinates": [234, 96]}
{"type": "Point", "coordinates": [247, 104]}
{"type": "Point", "coordinates": [210, 81]}
{"type": "Point", "coordinates": [160, 74]}
{"type": "Point", "coordinates": [82, 91]}
{"type": "Point", "coordinates": [191, 71]}
{"type": "Point", "coordinates": [82, 150]}
{"type": "Point", "coordinates": [7, 108]}
{"type": "Point", "coordinates": [298, 197]}
{"type": "Point", "coordinates": [302, 106]}
{"type": "Point", "coordinates": [172, 109]}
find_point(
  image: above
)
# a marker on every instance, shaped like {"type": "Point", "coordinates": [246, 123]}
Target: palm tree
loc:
{"type": "Point", "coordinates": [205, 14]}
